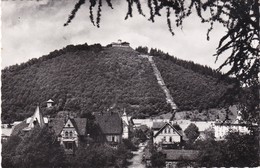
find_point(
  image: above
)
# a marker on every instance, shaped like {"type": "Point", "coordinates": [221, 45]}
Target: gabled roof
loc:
{"type": "Point", "coordinates": [28, 123]}
{"type": "Point", "coordinates": [160, 126]}
{"type": "Point", "coordinates": [109, 122]}
{"type": "Point", "coordinates": [50, 101]}
{"type": "Point", "coordinates": [37, 117]}
{"type": "Point", "coordinates": [81, 124]}
{"type": "Point", "coordinates": [58, 124]}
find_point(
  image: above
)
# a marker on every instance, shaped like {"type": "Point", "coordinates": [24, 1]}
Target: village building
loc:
{"type": "Point", "coordinates": [173, 156]}
{"type": "Point", "coordinates": [148, 121]}
{"type": "Point", "coordinates": [69, 132]}
{"type": "Point", "coordinates": [111, 127]}
{"type": "Point", "coordinates": [120, 43]}
{"type": "Point", "coordinates": [29, 123]}
{"type": "Point", "coordinates": [223, 128]}
{"type": "Point", "coordinates": [202, 125]}
{"type": "Point", "coordinates": [167, 134]}
{"type": "Point", "coordinates": [49, 103]}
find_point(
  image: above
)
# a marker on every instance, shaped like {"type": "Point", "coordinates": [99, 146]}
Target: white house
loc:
{"type": "Point", "coordinates": [166, 133]}
{"type": "Point", "coordinates": [223, 128]}
{"type": "Point", "coordinates": [49, 103]}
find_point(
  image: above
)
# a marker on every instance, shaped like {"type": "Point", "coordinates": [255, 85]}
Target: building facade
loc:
{"type": "Point", "coordinates": [166, 133]}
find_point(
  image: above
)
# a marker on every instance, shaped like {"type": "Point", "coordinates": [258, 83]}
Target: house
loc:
{"type": "Point", "coordinates": [202, 125]}
{"type": "Point", "coordinates": [223, 128]}
{"type": "Point", "coordinates": [69, 131]}
{"type": "Point", "coordinates": [110, 126]}
{"type": "Point", "coordinates": [120, 44]}
{"type": "Point", "coordinates": [7, 129]}
{"type": "Point", "coordinates": [49, 103]}
{"type": "Point", "coordinates": [29, 123]}
{"type": "Point", "coordinates": [173, 157]}
{"type": "Point", "coordinates": [148, 121]}
{"type": "Point", "coordinates": [166, 133]}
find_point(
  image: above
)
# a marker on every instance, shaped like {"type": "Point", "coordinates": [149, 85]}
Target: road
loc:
{"type": "Point", "coordinates": [137, 159]}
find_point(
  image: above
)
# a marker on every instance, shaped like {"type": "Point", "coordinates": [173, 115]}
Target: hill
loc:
{"type": "Point", "coordinates": [85, 79]}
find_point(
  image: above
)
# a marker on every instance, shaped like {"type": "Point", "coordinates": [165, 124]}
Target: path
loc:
{"type": "Point", "coordinates": [137, 159]}
{"type": "Point", "coordinates": [160, 81]}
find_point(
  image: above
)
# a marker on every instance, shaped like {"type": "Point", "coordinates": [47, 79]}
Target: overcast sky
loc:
{"type": "Point", "coordinates": [31, 29]}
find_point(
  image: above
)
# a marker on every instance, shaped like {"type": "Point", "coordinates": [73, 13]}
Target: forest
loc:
{"type": "Point", "coordinates": [91, 78]}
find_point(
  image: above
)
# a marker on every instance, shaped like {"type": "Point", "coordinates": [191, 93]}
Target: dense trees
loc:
{"type": "Point", "coordinates": [158, 159]}
{"type": "Point", "coordinates": [37, 148]}
{"type": "Point", "coordinates": [236, 151]}
{"type": "Point", "coordinates": [85, 79]}
{"type": "Point", "coordinates": [191, 90]}
{"type": "Point", "coordinates": [192, 132]}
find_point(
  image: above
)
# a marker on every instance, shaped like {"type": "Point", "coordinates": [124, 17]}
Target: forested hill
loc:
{"type": "Point", "coordinates": [84, 79]}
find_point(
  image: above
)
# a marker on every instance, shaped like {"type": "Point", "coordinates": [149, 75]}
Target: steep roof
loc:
{"type": "Point", "coordinates": [158, 125]}
{"type": "Point", "coordinates": [80, 125]}
{"type": "Point", "coordinates": [37, 116]}
{"type": "Point", "coordinates": [28, 123]}
{"type": "Point", "coordinates": [161, 125]}
{"type": "Point", "coordinates": [57, 125]}
{"type": "Point", "coordinates": [109, 123]}
{"type": "Point", "coordinates": [50, 101]}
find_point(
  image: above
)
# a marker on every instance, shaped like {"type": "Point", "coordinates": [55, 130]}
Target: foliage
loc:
{"type": "Point", "coordinates": [99, 155]}
{"type": "Point", "coordinates": [236, 151]}
{"type": "Point", "coordinates": [196, 87]}
{"type": "Point", "coordinates": [143, 50]}
{"type": "Point", "coordinates": [192, 132]}
{"type": "Point", "coordinates": [85, 79]}
{"type": "Point", "coordinates": [8, 151]}
{"type": "Point", "coordinates": [138, 133]}
{"type": "Point", "coordinates": [38, 148]}
{"type": "Point", "coordinates": [130, 145]}
{"type": "Point", "coordinates": [157, 159]}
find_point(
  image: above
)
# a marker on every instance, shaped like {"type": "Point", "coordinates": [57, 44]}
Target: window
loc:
{"type": "Point", "coordinates": [170, 139]}
{"type": "Point", "coordinates": [66, 134]}
{"type": "Point", "coordinates": [71, 134]}
{"type": "Point", "coordinates": [165, 130]}
{"type": "Point", "coordinates": [164, 138]}
{"type": "Point", "coordinates": [113, 139]}
{"type": "Point", "coordinates": [68, 125]}
{"type": "Point", "coordinates": [169, 130]}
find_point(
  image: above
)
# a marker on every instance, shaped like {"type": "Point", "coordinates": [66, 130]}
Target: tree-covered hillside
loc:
{"type": "Point", "coordinates": [84, 79]}
{"type": "Point", "coordinates": [190, 90]}
{"type": "Point", "coordinates": [191, 85]}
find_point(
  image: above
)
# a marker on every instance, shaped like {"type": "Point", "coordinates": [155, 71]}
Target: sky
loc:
{"type": "Point", "coordinates": [31, 29]}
